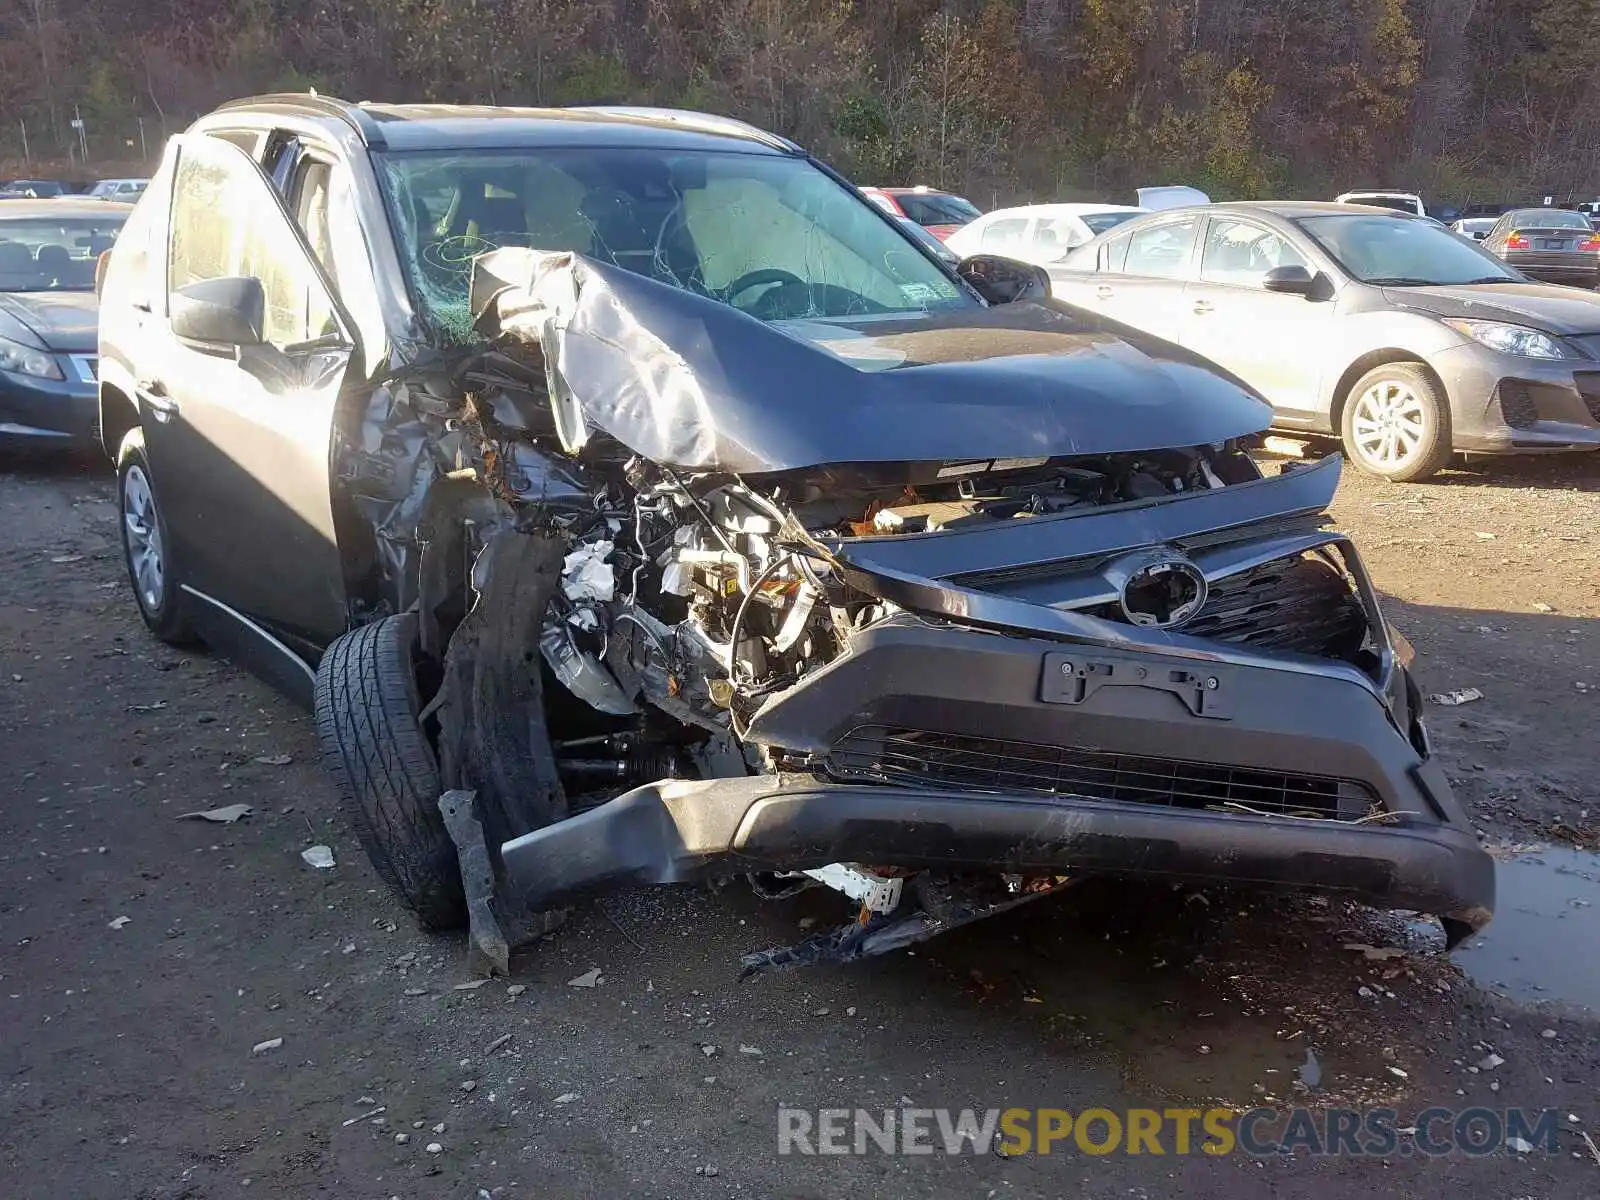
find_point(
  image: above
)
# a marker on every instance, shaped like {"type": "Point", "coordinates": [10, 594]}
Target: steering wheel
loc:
{"type": "Point", "coordinates": [756, 278]}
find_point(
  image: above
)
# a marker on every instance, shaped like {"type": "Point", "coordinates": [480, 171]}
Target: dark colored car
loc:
{"type": "Point", "coordinates": [1406, 340]}
{"type": "Point", "coordinates": [34, 189]}
{"type": "Point", "coordinates": [634, 502]}
{"type": "Point", "coordinates": [48, 350]}
{"type": "Point", "coordinates": [1553, 244]}
{"type": "Point", "coordinates": [940, 213]}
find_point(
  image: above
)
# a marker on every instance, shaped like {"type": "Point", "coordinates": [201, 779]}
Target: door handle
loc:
{"type": "Point", "coordinates": [1202, 307]}
{"type": "Point", "coordinates": [1103, 292]}
{"type": "Point", "coordinates": [162, 406]}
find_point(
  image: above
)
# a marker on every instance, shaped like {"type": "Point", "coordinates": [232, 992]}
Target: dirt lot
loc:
{"type": "Point", "coordinates": [126, 1045]}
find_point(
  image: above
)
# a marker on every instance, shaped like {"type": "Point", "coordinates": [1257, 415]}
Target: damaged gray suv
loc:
{"type": "Point", "coordinates": [636, 503]}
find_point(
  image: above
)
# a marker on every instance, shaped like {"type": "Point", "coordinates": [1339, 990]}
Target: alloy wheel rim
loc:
{"type": "Point", "coordinates": [1388, 423]}
{"type": "Point", "coordinates": [146, 561]}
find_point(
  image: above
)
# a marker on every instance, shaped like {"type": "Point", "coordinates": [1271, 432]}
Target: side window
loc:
{"type": "Point", "coordinates": [1004, 234]}
{"type": "Point", "coordinates": [1241, 252]}
{"type": "Point", "coordinates": [1162, 250]}
{"type": "Point", "coordinates": [1113, 253]}
{"type": "Point", "coordinates": [226, 223]}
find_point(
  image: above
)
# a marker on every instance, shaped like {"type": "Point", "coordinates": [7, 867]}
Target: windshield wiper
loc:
{"type": "Point", "coordinates": [1401, 281]}
{"type": "Point", "coordinates": [1490, 279]}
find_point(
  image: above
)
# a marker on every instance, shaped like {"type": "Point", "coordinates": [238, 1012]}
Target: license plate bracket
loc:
{"type": "Point", "coordinates": [1206, 690]}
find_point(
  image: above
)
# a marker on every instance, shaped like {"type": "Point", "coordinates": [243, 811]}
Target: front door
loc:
{"type": "Point", "coordinates": [1146, 289]}
{"type": "Point", "coordinates": [240, 437]}
{"type": "Point", "coordinates": [1276, 343]}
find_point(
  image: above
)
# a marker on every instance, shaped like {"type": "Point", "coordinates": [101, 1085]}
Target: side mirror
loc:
{"type": "Point", "coordinates": [1290, 281]}
{"type": "Point", "coordinates": [1004, 280]}
{"type": "Point", "coordinates": [220, 312]}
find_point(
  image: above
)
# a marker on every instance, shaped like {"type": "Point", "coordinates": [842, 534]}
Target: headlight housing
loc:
{"type": "Point", "coordinates": [27, 360]}
{"type": "Point", "coordinates": [1512, 339]}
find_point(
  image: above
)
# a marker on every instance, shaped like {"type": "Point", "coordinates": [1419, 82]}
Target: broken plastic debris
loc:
{"type": "Point", "coordinates": [565, 1098]}
{"type": "Point", "coordinates": [1457, 697]}
{"type": "Point", "coordinates": [319, 857]}
{"type": "Point", "coordinates": [753, 1051]}
{"type": "Point", "coordinates": [225, 815]}
{"type": "Point", "coordinates": [469, 985]}
{"type": "Point", "coordinates": [269, 1044]}
{"type": "Point", "coordinates": [1489, 1062]}
{"type": "Point", "coordinates": [118, 922]}
{"type": "Point", "coordinates": [587, 980]}
{"type": "Point", "coordinates": [585, 574]}
{"type": "Point", "coordinates": [1519, 1145]}
{"type": "Point", "coordinates": [274, 760]}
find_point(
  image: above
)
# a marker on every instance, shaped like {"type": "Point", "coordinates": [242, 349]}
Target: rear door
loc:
{"type": "Point", "coordinates": [1275, 343]}
{"type": "Point", "coordinates": [240, 438]}
{"type": "Point", "coordinates": [1147, 291]}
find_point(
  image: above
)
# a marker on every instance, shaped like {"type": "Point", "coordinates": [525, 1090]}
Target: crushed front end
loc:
{"type": "Point", "coordinates": [941, 683]}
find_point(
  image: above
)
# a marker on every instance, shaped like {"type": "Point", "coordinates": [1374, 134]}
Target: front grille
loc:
{"type": "Point", "coordinates": [911, 757]}
{"type": "Point", "coordinates": [1301, 604]}
{"type": "Point", "coordinates": [1516, 404]}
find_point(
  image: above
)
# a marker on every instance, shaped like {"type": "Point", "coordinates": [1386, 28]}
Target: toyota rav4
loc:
{"type": "Point", "coordinates": [635, 502]}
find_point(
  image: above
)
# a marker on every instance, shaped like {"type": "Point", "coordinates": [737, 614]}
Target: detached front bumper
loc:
{"type": "Point", "coordinates": [1084, 788]}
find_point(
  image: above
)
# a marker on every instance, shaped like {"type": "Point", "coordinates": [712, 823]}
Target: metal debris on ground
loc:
{"type": "Point", "coordinates": [1456, 698]}
{"type": "Point", "coordinates": [366, 1116]}
{"type": "Point", "coordinates": [225, 815]}
{"type": "Point", "coordinates": [269, 1044]}
{"type": "Point", "coordinates": [320, 857]}
{"type": "Point", "coordinates": [502, 1040]}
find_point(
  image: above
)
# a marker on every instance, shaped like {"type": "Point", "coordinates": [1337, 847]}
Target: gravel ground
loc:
{"type": "Point", "coordinates": [151, 963]}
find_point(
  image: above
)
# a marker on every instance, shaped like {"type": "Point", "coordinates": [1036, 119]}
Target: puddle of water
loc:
{"type": "Point", "coordinates": [1541, 943]}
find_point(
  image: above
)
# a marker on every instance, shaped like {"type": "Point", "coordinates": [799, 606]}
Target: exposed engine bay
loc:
{"type": "Point", "coordinates": [693, 590]}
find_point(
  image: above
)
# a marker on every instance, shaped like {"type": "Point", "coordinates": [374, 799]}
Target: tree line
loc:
{"type": "Point", "coordinates": [1005, 100]}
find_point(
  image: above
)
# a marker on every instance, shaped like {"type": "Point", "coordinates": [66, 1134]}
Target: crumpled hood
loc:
{"type": "Point", "coordinates": [1559, 310]}
{"type": "Point", "coordinates": [693, 383]}
{"type": "Point", "coordinates": [61, 321]}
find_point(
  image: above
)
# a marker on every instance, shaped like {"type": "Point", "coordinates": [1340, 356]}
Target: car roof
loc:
{"type": "Point", "coordinates": [410, 127]}
{"type": "Point", "coordinates": [61, 206]}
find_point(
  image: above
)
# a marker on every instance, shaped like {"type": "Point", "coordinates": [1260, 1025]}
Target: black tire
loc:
{"type": "Point", "coordinates": [1427, 413]}
{"type": "Point", "coordinates": [160, 595]}
{"type": "Point", "coordinates": [384, 767]}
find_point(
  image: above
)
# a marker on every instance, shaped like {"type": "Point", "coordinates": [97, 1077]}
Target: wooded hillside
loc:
{"type": "Point", "coordinates": [1002, 99]}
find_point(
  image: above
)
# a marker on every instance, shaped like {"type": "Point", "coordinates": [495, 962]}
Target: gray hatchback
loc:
{"type": "Point", "coordinates": [1406, 340]}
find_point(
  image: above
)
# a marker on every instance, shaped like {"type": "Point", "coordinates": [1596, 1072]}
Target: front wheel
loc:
{"type": "Point", "coordinates": [146, 545]}
{"type": "Point", "coordinates": [384, 769]}
{"type": "Point", "coordinates": [1396, 424]}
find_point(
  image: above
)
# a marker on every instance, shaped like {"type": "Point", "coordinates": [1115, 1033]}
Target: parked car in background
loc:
{"type": "Point", "coordinates": [1038, 233]}
{"type": "Point", "coordinates": [48, 356]}
{"type": "Point", "coordinates": [1406, 202]}
{"type": "Point", "coordinates": [934, 245]}
{"type": "Point", "coordinates": [1176, 195]}
{"type": "Point", "coordinates": [1553, 244]}
{"type": "Point", "coordinates": [127, 190]}
{"type": "Point", "coordinates": [41, 189]}
{"type": "Point", "coordinates": [1405, 340]}
{"type": "Point", "coordinates": [761, 525]}
{"type": "Point", "coordinates": [1476, 228]}
{"type": "Point", "coordinates": [940, 213]}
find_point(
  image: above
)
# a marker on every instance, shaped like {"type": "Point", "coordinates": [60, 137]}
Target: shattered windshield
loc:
{"type": "Point", "coordinates": [769, 235]}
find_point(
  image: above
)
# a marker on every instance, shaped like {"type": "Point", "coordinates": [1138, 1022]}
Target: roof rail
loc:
{"type": "Point", "coordinates": [710, 122]}
{"type": "Point", "coordinates": [359, 120]}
